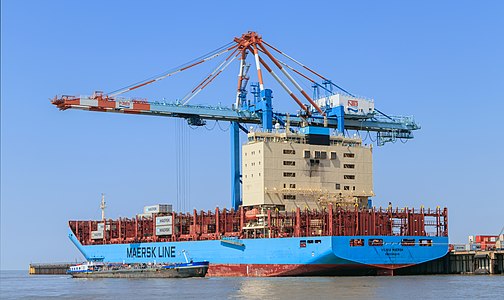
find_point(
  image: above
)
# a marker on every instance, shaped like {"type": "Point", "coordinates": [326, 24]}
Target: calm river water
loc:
{"type": "Point", "coordinates": [18, 284]}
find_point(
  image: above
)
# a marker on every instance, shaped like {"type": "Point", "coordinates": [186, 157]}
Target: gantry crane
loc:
{"type": "Point", "coordinates": [338, 109]}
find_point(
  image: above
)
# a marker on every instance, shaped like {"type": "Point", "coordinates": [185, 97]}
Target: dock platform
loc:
{"type": "Point", "coordinates": [49, 268]}
{"type": "Point", "coordinates": [460, 262]}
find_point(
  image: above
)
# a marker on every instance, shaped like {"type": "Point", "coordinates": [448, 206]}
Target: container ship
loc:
{"type": "Point", "coordinates": [305, 211]}
{"type": "Point", "coordinates": [300, 189]}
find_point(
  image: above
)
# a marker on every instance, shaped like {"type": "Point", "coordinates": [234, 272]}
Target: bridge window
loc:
{"type": "Point", "coordinates": [292, 186]}
{"type": "Point", "coordinates": [346, 188]}
{"type": "Point", "coordinates": [338, 186]}
{"type": "Point", "coordinates": [289, 151]}
{"type": "Point", "coordinates": [349, 155]}
{"type": "Point", "coordinates": [289, 174]}
{"type": "Point", "coordinates": [306, 154]}
{"type": "Point", "coordinates": [349, 166]}
{"type": "Point", "coordinates": [349, 177]}
{"type": "Point", "coordinates": [289, 197]}
{"type": "Point", "coordinates": [302, 244]}
{"type": "Point", "coordinates": [321, 154]}
{"type": "Point", "coordinates": [333, 155]}
{"type": "Point", "coordinates": [289, 163]}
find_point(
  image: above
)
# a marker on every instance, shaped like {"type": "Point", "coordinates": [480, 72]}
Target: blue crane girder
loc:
{"type": "Point", "coordinates": [195, 113]}
{"type": "Point", "coordinates": [400, 124]}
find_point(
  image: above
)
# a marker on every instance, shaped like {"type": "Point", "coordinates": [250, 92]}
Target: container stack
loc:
{"type": "Point", "coordinates": [158, 208]}
{"type": "Point", "coordinates": [164, 225]}
{"type": "Point", "coordinates": [98, 233]}
{"type": "Point", "coordinates": [155, 209]}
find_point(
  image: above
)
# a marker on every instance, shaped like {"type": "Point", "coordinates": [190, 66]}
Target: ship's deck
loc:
{"type": "Point", "coordinates": [250, 224]}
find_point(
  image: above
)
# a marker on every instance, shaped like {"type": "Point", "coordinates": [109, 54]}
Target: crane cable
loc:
{"type": "Point", "coordinates": [305, 67]}
{"type": "Point", "coordinates": [220, 68]}
{"type": "Point", "coordinates": [226, 129]}
{"type": "Point", "coordinates": [206, 57]}
{"type": "Point", "coordinates": [371, 137]}
{"type": "Point", "coordinates": [306, 77]}
{"type": "Point", "coordinates": [182, 166]}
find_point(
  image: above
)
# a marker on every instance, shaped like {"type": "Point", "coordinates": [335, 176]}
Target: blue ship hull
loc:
{"type": "Point", "coordinates": [292, 256]}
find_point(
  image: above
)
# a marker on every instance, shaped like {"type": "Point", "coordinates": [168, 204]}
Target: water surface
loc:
{"type": "Point", "coordinates": [20, 285]}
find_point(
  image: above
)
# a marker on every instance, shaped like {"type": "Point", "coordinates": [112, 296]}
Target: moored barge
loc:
{"type": "Point", "coordinates": [139, 270]}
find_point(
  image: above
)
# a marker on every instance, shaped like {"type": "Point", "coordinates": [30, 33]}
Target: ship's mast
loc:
{"type": "Point", "coordinates": [102, 206]}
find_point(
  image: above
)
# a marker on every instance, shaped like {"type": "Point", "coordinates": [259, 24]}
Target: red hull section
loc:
{"type": "Point", "coordinates": [272, 270]}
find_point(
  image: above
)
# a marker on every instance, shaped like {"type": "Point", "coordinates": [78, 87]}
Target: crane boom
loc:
{"type": "Point", "coordinates": [402, 126]}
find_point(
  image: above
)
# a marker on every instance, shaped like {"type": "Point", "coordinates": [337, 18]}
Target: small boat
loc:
{"type": "Point", "coordinates": [93, 269]}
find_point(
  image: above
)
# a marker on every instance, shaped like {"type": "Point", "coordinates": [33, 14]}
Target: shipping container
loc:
{"type": "Point", "coordinates": [475, 247]}
{"type": "Point", "coordinates": [460, 247]}
{"type": "Point", "coordinates": [161, 221]}
{"type": "Point", "coordinates": [486, 238]}
{"type": "Point", "coordinates": [163, 230]}
{"type": "Point", "coordinates": [100, 227]}
{"type": "Point", "coordinates": [158, 208]}
{"type": "Point", "coordinates": [147, 216]}
{"type": "Point", "coordinates": [97, 235]}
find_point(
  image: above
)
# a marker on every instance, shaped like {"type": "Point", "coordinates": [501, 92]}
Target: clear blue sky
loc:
{"type": "Point", "coordinates": [441, 61]}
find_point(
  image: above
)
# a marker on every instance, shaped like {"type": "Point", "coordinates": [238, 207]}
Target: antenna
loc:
{"type": "Point", "coordinates": [102, 206]}
{"type": "Point", "coordinates": [185, 255]}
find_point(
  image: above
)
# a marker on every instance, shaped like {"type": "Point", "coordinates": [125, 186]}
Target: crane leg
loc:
{"type": "Point", "coordinates": [235, 165]}
{"type": "Point", "coordinates": [267, 109]}
{"type": "Point", "coordinates": [340, 115]}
